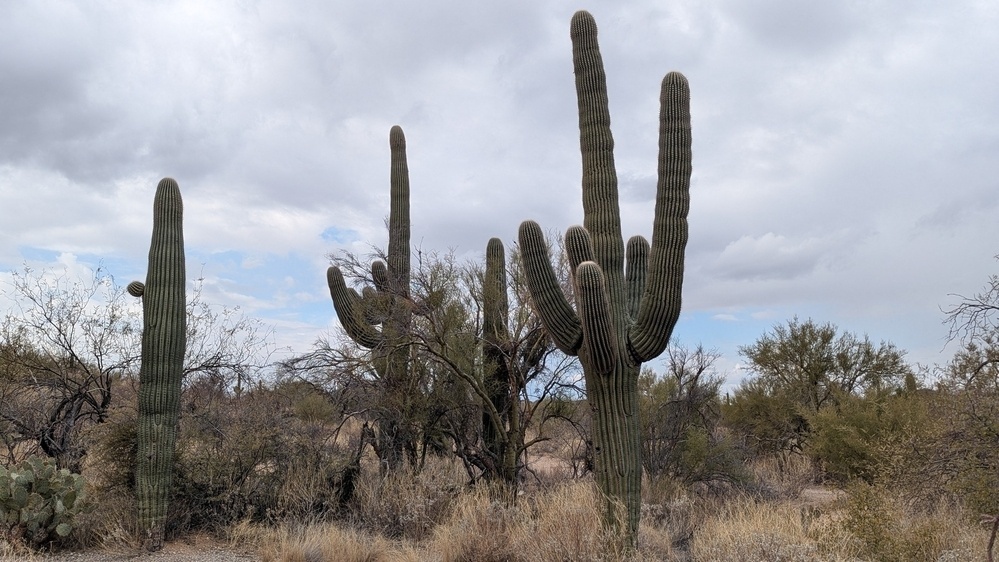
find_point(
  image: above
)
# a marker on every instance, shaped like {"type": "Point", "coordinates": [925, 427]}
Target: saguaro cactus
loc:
{"type": "Point", "coordinates": [502, 407]}
{"type": "Point", "coordinates": [379, 319]}
{"type": "Point", "coordinates": [624, 315]}
{"type": "Point", "coordinates": [164, 337]}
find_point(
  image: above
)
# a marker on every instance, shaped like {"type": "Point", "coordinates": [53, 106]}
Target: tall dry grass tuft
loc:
{"type": "Point", "coordinates": [404, 505]}
{"type": "Point", "coordinates": [559, 523]}
{"type": "Point", "coordinates": [746, 530]}
{"type": "Point", "coordinates": [327, 542]}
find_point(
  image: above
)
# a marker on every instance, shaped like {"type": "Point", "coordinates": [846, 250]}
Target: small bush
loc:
{"type": "Point", "coordinates": [404, 505]}
{"type": "Point", "coordinates": [38, 502]}
{"type": "Point", "coordinates": [886, 529]}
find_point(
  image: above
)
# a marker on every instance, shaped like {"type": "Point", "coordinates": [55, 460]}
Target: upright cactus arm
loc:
{"type": "Point", "coordinates": [595, 314]}
{"type": "Point", "coordinates": [637, 262]}
{"type": "Point", "coordinates": [379, 275]}
{"type": "Point", "coordinates": [557, 316]}
{"type": "Point", "coordinates": [660, 306]}
{"type": "Point", "coordinates": [495, 304]}
{"type": "Point", "coordinates": [601, 213]}
{"type": "Point", "coordinates": [351, 310]}
{"type": "Point", "coordinates": [578, 247]}
{"type": "Point", "coordinates": [399, 224]}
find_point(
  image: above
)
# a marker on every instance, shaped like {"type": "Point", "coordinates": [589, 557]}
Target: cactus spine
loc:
{"type": "Point", "coordinates": [164, 333]}
{"type": "Point", "coordinates": [379, 319]}
{"type": "Point", "coordinates": [625, 315]}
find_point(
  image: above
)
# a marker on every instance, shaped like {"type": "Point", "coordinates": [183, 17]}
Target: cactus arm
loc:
{"type": "Point", "coordinates": [637, 261]}
{"type": "Point", "coordinates": [399, 224]}
{"type": "Point", "coordinates": [601, 213]}
{"type": "Point", "coordinates": [595, 316]}
{"type": "Point", "coordinates": [350, 309]}
{"type": "Point", "coordinates": [379, 275]}
{"type": "Point", "coordinates": [495, 305]}
{"type": "Point", "coordinates": [660, 306]}
{"type": "Point", "coordinates": [578, 247]}
{"type": "Point", "coordinates": [558, 318]}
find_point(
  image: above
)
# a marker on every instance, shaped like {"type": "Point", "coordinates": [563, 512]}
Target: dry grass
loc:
{"type": "Point", "coordinates": [328, 542]}
{"type": "Point", "coordinates": [435, 516]}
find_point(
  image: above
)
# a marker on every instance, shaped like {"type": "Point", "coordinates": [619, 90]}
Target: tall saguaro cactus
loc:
{"type": "Point", "coordinates": [379, 318]}
{"type": "Point", "coordinates": [164, 338]}
{"type": "Point", "coordinates": [502, 407]}
{"type": "Point", "coordinates": [627, 300]}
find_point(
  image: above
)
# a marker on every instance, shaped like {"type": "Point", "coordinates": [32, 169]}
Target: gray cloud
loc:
{"type": "Point", "coordinates": [844, 153]}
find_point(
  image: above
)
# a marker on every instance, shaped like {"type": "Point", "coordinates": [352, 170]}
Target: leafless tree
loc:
{"type": "Point", "coordinates": [66, 343]}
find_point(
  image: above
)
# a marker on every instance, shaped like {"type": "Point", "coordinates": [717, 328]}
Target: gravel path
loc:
{"type": "Point", "coordinates": [178, 551]}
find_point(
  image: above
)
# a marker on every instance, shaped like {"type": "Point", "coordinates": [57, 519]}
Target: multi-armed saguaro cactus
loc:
{"type": "Point", "coordinates": [387, 304]}
{"type": "Point", "coordinates": [625, 315]}
{"type": "Point", "coordinates": [164, 337]}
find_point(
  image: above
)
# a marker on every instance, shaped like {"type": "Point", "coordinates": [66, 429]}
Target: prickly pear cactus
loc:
{"type": "Point", "coordinates": [38, 502]}
{"type": "Point", "coordinates": [164, 333]}
{"type": "Point", "coordinates": [624, 314]}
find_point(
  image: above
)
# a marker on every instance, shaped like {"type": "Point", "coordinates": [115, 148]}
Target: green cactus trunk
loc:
{"type": "Point", "coordinates": [628, 300]}
{"type": "Point", "coordinates": [164, 335]}
{"type": "Point", "coordinates": [499, 388]}
{"type": "Point", "coordinates": [380, 319]}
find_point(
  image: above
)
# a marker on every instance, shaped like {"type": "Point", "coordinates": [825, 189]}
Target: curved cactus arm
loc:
{"type": "Point", "coordinates": [350, 310]}
{"type": "Point", "coordinates": [601, 213]}
{"type": "Point", "coordinates": [595, 316]}
{"type": "Point", "coordinates": [558, 318]}
{"type": "Point", "coordinates": [637, 262]}
{"type": "Point", "coordinates": [660, 307]}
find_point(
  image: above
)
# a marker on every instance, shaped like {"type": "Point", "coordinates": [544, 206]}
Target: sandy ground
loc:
{"type": "Point", "coordinates": [188, 550]}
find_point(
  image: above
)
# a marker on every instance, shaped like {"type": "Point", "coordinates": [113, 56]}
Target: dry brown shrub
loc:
{"type": "Point", "coordinates": [404, 505]}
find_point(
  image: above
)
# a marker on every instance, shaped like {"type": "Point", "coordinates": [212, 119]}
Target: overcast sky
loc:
{"type": "Point", "coordinates": [846, 154]}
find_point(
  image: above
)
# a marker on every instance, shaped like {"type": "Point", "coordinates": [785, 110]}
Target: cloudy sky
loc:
{"type": "Point", "coordinates": [846, 154]}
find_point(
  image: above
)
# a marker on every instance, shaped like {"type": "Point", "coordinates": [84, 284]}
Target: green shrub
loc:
{"type": "Point", "coordinates": [38, 502]}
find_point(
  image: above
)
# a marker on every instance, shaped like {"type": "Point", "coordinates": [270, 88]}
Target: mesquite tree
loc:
{"type": "Point", "coordinates": [627, 300]}
{"type": "Point", "coordinates": [379, 318]}
{"type": "Point", "coordinates": [164, 339]}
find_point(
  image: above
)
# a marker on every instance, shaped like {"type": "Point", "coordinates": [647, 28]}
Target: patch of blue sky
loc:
{"type": "Point", "coordinates": [122, 270]}
{"type": "Point", "coordinates": [280, 287]}
{"type": "Point", "coordinates": [340, 235]}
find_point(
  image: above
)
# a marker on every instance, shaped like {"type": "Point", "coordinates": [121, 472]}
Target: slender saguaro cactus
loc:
{"type": "Point", "coordinates": [164, 337]}
{"type": "Point", "coordinates": [379, 318]}
{"type": "Point", "coordinates": [495, 335]}
{"type": "Point", "coordinates": [624, 314]}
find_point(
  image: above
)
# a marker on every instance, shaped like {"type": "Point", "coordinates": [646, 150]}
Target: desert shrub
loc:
{"type": "Point", "coordinates": [38, 502]}
{"type": "Point", "coordinates": [248, 457]}
{"type": "Point", "coordinates": [885, 528]}
{"type": "Point", "coordinates": [680, 412]}
{"type": "Point", "coordinates": [402, 504]}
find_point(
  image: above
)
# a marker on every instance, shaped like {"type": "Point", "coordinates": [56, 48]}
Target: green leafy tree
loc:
{"type": "Point", "coordinates": [801, 368]}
